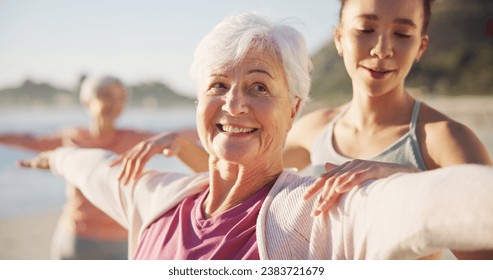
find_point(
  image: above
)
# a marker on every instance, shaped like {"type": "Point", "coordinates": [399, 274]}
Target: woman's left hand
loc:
{"type": "Point", "coordinates": [41, 161]}
{"type": "Point", "coordinates": [341, 178]}
{"type": "Point", "coordinates": [135, 159]}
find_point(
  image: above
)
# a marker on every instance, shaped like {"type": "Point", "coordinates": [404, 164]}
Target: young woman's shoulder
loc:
{"type": "Point", "coordinates": [320, 118]}
{"type": "Point", "coordinates": [445, 141]}
{"type": "Point", "coordinates": [305, 130]}
{"type": "Point", "coordinates": [309, 126]}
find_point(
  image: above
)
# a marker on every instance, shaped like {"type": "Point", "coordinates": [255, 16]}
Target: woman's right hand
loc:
{"type": "Point", "coordinates": [135, 159]}
{"type": "Point", "coordinates": [342, 178]}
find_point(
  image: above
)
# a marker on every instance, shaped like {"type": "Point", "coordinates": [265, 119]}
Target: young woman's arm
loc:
{"type": "Point", "coordinates": [184, 144]}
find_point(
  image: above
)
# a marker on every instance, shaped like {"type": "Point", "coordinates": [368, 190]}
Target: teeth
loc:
{"type": "Point", "coordinates": [233, 129]}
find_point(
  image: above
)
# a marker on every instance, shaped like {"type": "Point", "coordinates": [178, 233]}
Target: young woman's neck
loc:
{"type": "Point", "coordinates": [381, 109]}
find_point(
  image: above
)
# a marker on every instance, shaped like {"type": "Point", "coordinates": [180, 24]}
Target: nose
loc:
{"type": "Point", "coordinates": [235, 101]}
{"type": "Point", "coordinates": [382, 48]}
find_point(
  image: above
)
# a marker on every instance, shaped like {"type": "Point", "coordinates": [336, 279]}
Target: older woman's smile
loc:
{"type": "Point", "coordinates": [235, 129]}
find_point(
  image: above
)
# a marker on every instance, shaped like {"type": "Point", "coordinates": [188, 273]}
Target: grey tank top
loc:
{"type": "Point", "coordinates": [404, 151]}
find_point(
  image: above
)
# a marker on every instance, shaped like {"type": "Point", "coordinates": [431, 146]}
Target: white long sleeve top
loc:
{"type": "Point", "coordinates": [405, 216]}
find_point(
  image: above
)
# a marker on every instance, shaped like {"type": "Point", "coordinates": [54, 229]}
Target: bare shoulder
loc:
{"type": "Point", "coordinates": [323, 116]}
{"type": "Point", "coordinates": [302, 135]}
{"type": "Point", "coordinates": [445, 141]}
{"type": "Point", "coordinates": [309, 126]}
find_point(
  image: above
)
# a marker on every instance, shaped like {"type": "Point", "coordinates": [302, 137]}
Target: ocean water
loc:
{"type": "Point", "coordinates": [25, 191]}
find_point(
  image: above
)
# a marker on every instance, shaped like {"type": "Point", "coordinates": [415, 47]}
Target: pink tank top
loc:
{"type": "Point", "coordinates": [183, 233]}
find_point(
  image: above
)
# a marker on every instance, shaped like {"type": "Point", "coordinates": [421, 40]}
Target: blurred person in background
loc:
{"type": "Point", "coordinates": [83, 231]}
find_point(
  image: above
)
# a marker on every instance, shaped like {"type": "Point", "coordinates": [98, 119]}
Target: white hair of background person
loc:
{"type": "Point", "coordinates": [92, 85]}
{"type": "Point", "coordinates": [230, 41]}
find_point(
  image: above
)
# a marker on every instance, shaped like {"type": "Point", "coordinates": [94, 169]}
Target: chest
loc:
{"type": "Point", "coordinates": [366, 143]}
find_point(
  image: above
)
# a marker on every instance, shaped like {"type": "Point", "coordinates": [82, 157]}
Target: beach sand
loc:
{"type": "Point", "coordinates": [28, 237]}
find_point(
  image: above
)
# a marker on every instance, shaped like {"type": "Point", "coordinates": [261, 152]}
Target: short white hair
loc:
{"type": "Point", "coordinates": [230, 41]}
{"type": "Point", "coordinates": [92, 85]}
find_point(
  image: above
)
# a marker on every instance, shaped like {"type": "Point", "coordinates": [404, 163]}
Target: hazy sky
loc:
{"type": "Point", "coordinates": [142, 40]}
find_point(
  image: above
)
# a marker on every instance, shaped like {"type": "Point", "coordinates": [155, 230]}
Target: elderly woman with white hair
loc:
{"type": "Point", "coordinates": [252, 77]}
{"type": "Point", "coordinates": [84, 231]}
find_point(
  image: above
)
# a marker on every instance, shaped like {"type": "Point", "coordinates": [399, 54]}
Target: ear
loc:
{"type": "Point", "coordinates": [423, 47]}
{"type": "Point", "coordinates": [294, 110]}
{"type": "Point", "coordinates": [337, 39]}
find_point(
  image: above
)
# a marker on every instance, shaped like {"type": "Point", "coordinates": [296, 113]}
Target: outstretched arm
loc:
{"type": "Point", "coordinates": [88, 169]}
{"type": "Point", "coordinates": [132, 207]}
{"type": "Point", "coordinates": [31, 142]}
{"type": "Point", "coordinates": [412, 215]}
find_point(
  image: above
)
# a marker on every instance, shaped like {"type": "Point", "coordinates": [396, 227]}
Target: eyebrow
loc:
{"type": "Point", "coordinates": [405, 21]}
{"type": "Point", "coordinates": [256, 70]}
{"type": "Point", "coordinates": [216, 74]}
{"type": "Point", "coordinates": [260, 71]}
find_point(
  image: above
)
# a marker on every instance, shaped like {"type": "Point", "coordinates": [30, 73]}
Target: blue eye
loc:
{"type": "Point", "coordinates": [218, 85]}
{"type": "Point", "coordinates": [259, 87]}
{"type": "Point", "coordinates": [217, 88]}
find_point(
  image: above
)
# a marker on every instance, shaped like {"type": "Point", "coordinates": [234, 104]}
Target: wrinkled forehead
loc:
{"type": "Point", "coordinates": [258, 58]}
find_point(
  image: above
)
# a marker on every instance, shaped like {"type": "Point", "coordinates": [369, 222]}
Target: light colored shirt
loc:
{"type": "Point", "coordinates": [405, 150]}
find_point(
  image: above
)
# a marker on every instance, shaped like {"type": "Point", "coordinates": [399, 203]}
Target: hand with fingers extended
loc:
{"type": "Point", "coordinates": [41, 161]}
{"type": "Point", "coordinates": [134, 160]}
{"type": "Point", "coordinates": [342, 178]}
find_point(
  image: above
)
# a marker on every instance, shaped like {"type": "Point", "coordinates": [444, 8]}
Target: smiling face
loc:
{"type": "Point", "coordinates": [379, 41]}
{"type": "Point", "coordinates": [108, 103]}
{"type": "Point", "coordinates": [244, 111]}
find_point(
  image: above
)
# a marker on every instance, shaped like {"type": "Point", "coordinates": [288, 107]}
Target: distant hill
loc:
{"type": "Point", "coordinates": [36, 94]}
{"type": "Point", "coordinates": [459, 60]}
{"type": "Point", "coordinates": [151, 94]}
{"type": "Point", "coordinates": [155, 94]}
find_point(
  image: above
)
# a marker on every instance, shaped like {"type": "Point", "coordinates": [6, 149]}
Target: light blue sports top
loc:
{"type": "Point", "coordinates": [404, 151]}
